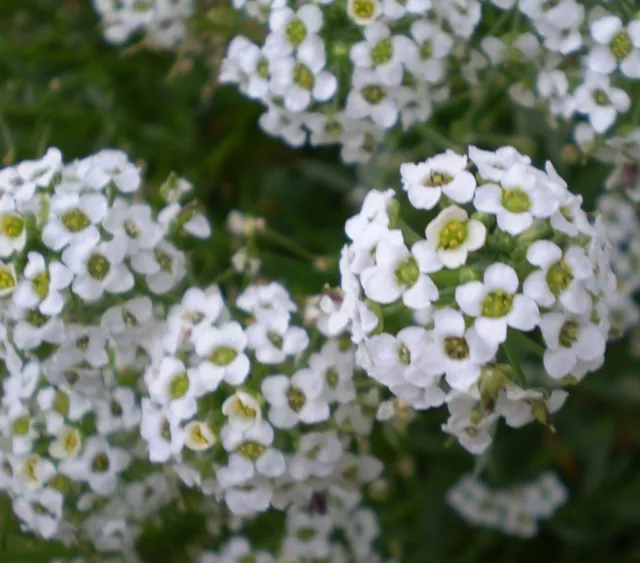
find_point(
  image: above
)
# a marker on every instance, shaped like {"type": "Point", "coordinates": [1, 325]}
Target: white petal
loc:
{"type": "Point", "coordinates": [559, 363]}
{"type": "Point", "coordinates": [500, 276]}
{"type": "Point", "coordinates": [494, 331]}
{"type": "Point", "coordinates": [469, 297]}
{"type": "Point", "coordinates": [524, 315]}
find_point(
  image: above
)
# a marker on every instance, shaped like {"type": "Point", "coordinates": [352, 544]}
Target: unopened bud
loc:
{"type": "Point", "coordinates": [393, 211]}
{"type": "Point", "coordinates": [487, 219]}
{"type": "Point", "coordinates": [468, 274]}
{"type": "Point", "coordinates": [492, 380]}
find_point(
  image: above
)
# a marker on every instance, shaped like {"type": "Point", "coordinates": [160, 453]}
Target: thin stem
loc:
{"type": "Point", "coordinates": [526, 341]}
{"type": "Point", "coordinates": [285, 242]}
{"type": "Point", "coordinates": [225, 275]}
{"type": "Point", "coordinates": [513, 360]}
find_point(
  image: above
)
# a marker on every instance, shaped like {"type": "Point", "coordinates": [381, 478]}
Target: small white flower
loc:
{"type": "Point", "coordinates": [445, 173]}
{"type": "Point", "coordinates": [600, 101]}
{"type": "Point", "coordinates": [163, 267]}
{"type": "Point", "coordinates": [397, 9]}
{"type": "Point", "coordinates": [561, 277]}
{"type": "Point", "coordinates": [518, 406]}
{"type": "Point", "coordinates": [369, 97]}
{"type": "Point", "coordinates": [317, 456]}
{"type": "Point", "coordinates": [363, 12]}
{"type": "Point", "coordinates": [434, 45]}
{"type": "Point", "coordinates": [223, 348]}
{"type": "Point", "coordinates": [23, 179]}
{"type": "Point", "coordinates": [616, 46]}
{"type": "Point", "coordinates": [198, 436]}
{"type": "Point", "coordinates": [495, 303]}
{"type": "Point", "coordinates": [98, 268]}
{"type": "Point", "coordinates": [75, 219]}
{"type": "Point", "coordinates": [98, 465]}
{"type": "Point", "coordinates": [307, 535]}
{"type": "Point", "coordinates": [119, 413]}
{"type": "Point", "coordinates": [41, 511]}
{"type": "Point", "coordinates": [517, 201]}
{"type": "Point", "coordinates": [112, 166]}
{"type": "Point", "coordinates": [266, 301]}
{"type": "Point", "coordinates": [134, 223]}
{"type": "Point", "coordinates": [452, 235]}
{"type": "Point", "coordinates": [291, 30]}
{"type": "Point", "coordinates": [242, 410]}
{"type": "Point", "coordinates": [67, 444]}
{"type": "Point", "coordinates": [570, 340]}
{"type": "Point", "coordinates": [8, 279]}
{"type": "Point", "coordinates": [13, 229]}
{"type": "Point", "coordinates": [42, 285]}
{"type": "Point", "coordinates": [162, 431]}
{"type": "Point", "coordinates": [250, 452]}
{"type": "Point", "coordinates": [174, 386]}
{"type": "Point", "coordinates": [336, 368]}
{"type": "Point", "coordinates": [295, 399]}
{"type": "Point", "coordinates": [471, 427]}
{"type": "Point", "coordinates": [399, 272]}
{"type": "Point", "coordinates": [273, 340]}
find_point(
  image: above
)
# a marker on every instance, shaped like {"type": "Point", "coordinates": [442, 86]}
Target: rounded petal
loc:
{"type": "Point", "coordinates": [559, 363]}
{"type": "Point", "coordinates": [469, 297]}
{"type": "Point", "coordinates": [499, 276]}
{"type": "Point", "coordinates": [494, 331]}
{"type": "Point", "coordinates": [525, 314]}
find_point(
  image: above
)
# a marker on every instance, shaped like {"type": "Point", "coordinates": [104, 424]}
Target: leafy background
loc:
{"type": "Point", "coordinates": [61, 85]}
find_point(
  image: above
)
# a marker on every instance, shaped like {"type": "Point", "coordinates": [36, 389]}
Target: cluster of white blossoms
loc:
{"type": "Point", "coordinates": [506, 262]}
{"type": "Point", "coordinates": [163, 22]}
{"type": "Point", "coordinates": [122, 385]}
{"type": "Point", "coordinates": [514, 510]}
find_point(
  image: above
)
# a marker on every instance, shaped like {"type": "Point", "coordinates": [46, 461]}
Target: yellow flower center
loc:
{"type": "Point", "coordinates": [453, 235]}
{"type": "Point", "coordinates": [75, 220]}
{"type": "Point", "coordinates": [516, 200]}
{"type": "Point", "coordinates": [497, 304]}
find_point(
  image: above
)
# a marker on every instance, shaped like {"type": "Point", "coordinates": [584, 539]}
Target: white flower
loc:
{"type": "Point", "coordinates": [32, 328]}
{"type": "Point", "coordinates": [295, 399]}
{"type": "Point", "coordinates": [23, 179]}
{"type": "Point", "coordinates": [363, 12]}
{"type": "Point", "coordinates": [13, 230]}
{"type": "Point", "coordinates": [317, 456]}
{"type": "Point", "coordinates": [520, 406]}
{"type": "Point", "coordinates": [248, 502]}
{"type": "Point", "coordinates": [242, 410]}
{"type": "Point", "coordinates": [294, 30]}
{"type": "Point", "coordinates": [307, 535]}
{"type": "Point", "coordinates": [399, 272]}
{"type": "Point", "coordinates": [98, 465]}
{"type": "Point", "coordinates": [162, 431]}
{"type": "Point", "coordinates": [223, 348]}
{"type": "Point", "coordinates": [83, 343]}
{"type": "Point", "coordinates": [284, 124]}
{"type": "Point", "coordinates": [370, 98]}
{"type": "Point", "coordinates": [397, 9]}
{"type": "Point", "coordinates": [615, 46]}
{"type": "Point", "coordinates": [250, 452]}
{"type": "Point", "coordinates": [445, 173]}
{"type": "Point", "coordinates": [303, 79]}
{"type": "Point", "coordinates": [135, 223]}
{"type": "Point", "coordinates": [336, 368]}
{"type": "Point", "coordinates": [247, 65]}
{"type": "Point", "coordinates": [112, 166]}
{"type": "Point", "coordinates": [495, 303]}
{"type": "Point", "coordinates": [434, 45]}
{"type": "Point", "coordinates": [67, 444]}
{"type": "Point", "coordinates": [174, 386]}
{"type": "Point", "coordinates": [266, 301]}
{"type": "Point", "coordinates": [198, 436]}
{"type": "Point", "coordinates": [458, 352]}
{"type": "Point", "coordinates": [163, 267]}
{"type": "Point", "coordinates": [42, 285]}
{"type": "Point", "coordinates": [570, 340]}
{"type": "Point", "coordinates": [600, 101]}
{"type": "Point", "coordinates": [118, 414]}
{"type": "Point", "coordinates": [41, 511]}
{"type": "Point", "coordinates": [273, 340]}
{"type": "Point", "coordinates": [471, 427]}
{"type": "Point", "coordinates": [517, 201]}
{"type": "Point", "coordinates": [8, 278]}
{"type": "Point", "coordinates": [493, 165]}
{"type": "Point", "coordinates": [462, 15]}
{"type": "Point", "coordinates": [382, 52]}
{"type": "Point", "coordinates": [561, 277]}
{"type": "Point", "coordinates": [98, 268]}
{"type": "Point", "coordinates": [187, 220]}
{"type": "Point", "coordinates": [75, 219]}
{"type": "Point", "coordinates": [124, 321]}
{"type": "Point", "coordinates": [452, 235]}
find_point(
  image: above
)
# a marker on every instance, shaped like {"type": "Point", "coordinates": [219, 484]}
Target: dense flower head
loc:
{"type": "Point", "coordinates": [507, 264]}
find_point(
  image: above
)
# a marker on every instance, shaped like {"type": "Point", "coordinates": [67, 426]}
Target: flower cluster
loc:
{"type": "Point", "coordinates": [122, 386]}
{"type": "Point", "coordinates": [508, 259]}
{"type": "Point", "coordinates": [162, 21]}
{"type": "Point", "coordinates": [515, 510]}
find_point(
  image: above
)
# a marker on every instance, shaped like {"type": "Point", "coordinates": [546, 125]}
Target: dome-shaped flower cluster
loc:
{"type": "Point", "coordinates": [123, 386]}
{"type": "Point", "coordinates": [505, 262]}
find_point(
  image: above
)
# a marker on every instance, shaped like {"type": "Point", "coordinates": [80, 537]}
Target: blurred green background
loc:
{"type": "Point", "coordinates": [62, 85]}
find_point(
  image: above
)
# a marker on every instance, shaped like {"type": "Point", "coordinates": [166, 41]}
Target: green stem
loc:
{"type": "Point", "coordinates": [526, 341]}
{"type": "Point", "coordinates": [285, 242]}
{"type": "Point", "coordinates": [513, 360]}
{"type": "Point", "coordinates": [440, 140]}
{"type": "Point", "coordinates": [225, 275]}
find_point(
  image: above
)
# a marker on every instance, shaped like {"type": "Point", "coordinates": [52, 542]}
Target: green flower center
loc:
{"type": "Point", "coordinates": [332, 378]}
{"type": "Point", "coordinates": [601, 98]}
{"type": "Point", "coordinates": [333, 128]}
{"type": "Point", "coordinates": [404, 354]}
{"type": "Point", "coordinates": [382, 52]}
{"type": "Point", "coordinates": [559, 276]}
{"type": "Point", "coordinates": [364, 9]}
{"type": "Point", "coordinates": [621, 45]}
{"type": "Point", "coordinates": [163, 259]}
{"type": "Point", "coordinates": [426, 50]}
{"type": "Point", "coordinates": [83, 343]}
{"type": "Point", "coordinates": [303, 76]}
{"type": "Point", "coordinates": [437, 179]}
{"type": "Point", "coordinates": [245, 410]}
{"type": "Point", "coordinates": [407, 272]}
{"type": "Point", "coordinates": [7, 280]}
{"type": "Point", "coordinates": [36, 319]}
{"type": "Point", "coordinates": [197, 435]}
{"type": "Point", "coordinates": [263, 68]}
{"type": "Point", "coordinates": [275, 339]}
{"type": "Point", "coordinates": [131, 229]}
{"type": "Point", "coordinates": [456, 348]}
{"type": "Point", "coordinates": [516, 200]}
{"type": "Point", "coordinates": [248, 559]}
{"type": "Point", "coordinates": [71, 441]}
{"type": "Point", "coordinates": [223, 356]}
{"type": "Point", "coordinates": [71, 377]}
{"type": "Point", "coordinates": [75, 220]}
{"type": "Point", "coordinates": [30, 467]}
{"type": "Point", "coordinates": [98, 266]}
{"type": "Point", "coordinates": [165, 430]}
{"type": "Point", "coordinates": [453, 235]}
{"type": "Point", "coordinates": [251, 450]}
{"type": "Point", "coordinates": [40, 285]}
{"type": "Point", "coordinates": [296, 399]}
{"type": "Point", "coordinates": [129, 320]}
{"type": "Point", "coordinates": [306, 534]}
{"type": "Point", "coordinates": [12, 226]}
{"type": "Point", "coordinates": [296, 32]}
{"type": "Point", "coordinates": [100, 463]}
{"type": "Point", "coordinates": [497, 304]}
{"type": "Point", "coordinates": [374, 94]}
{"type": "Point", "coordinates": [20, 426]}
{"type": "Point", "coordinates": [115, 408]}
{"type": "Point", "coordinates": [61, 403]}
{"type": "Point", "coordinates": [568, 334]}
{"type": "Point", "coordinates": [179, 386]}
